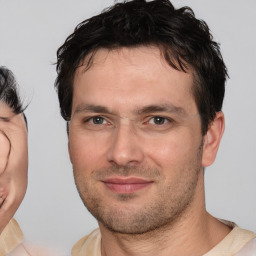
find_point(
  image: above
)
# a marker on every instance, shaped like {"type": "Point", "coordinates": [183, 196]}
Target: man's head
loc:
{"type": "Point", "coordinates": [142, 85]}
{"type": "Point", "coordinates": [184, 42]}
{"type": "Point", "coordinates": [13, 148]}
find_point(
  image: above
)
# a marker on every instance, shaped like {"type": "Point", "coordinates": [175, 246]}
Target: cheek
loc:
{"type": "Point", "coordinates": [86, 152]}
{"type": "Point", "coordinates": [164, 154]}
{"type": "Point", "coordinates": [174, 149]}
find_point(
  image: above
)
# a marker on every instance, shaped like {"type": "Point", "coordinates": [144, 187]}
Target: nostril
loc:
{"type": "Point", "coordinates": [125, 154]}
{"type": "Point", "coordinates": [124, 148]}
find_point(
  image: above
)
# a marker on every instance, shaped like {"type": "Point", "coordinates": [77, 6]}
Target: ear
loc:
{"type": "Point", "coordinates": [212, 139]}
{"type": "Point", "coordinates": [69, 152]}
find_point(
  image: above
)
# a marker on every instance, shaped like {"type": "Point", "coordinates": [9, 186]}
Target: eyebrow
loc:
{"type": "Point", "coordinates": [92, 108]}
{"type": "Point", "coordinates": [169, 108]}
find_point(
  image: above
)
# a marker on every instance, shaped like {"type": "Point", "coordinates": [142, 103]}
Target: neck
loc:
{"type": "Point", "coordinates": [193, 233]}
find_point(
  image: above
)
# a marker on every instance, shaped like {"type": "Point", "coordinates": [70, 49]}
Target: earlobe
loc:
{"type": "Point", "coordinates": [212, 139]}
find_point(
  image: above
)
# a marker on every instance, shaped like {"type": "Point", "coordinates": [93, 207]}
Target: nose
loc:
{"type": "Point", "coordinates": [125, 147]}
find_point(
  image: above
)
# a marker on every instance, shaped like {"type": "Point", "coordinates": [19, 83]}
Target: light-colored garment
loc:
{"type": "Point", "coordinates": [25, 249]}
{"type": "Point", "coordinates": [249, 249]}
{"type": "Point", "coordinates": [11, 244]}
{"type": "Point", "coordinates": [236, 241]}
{"type": "Point", "coordinates": [88, 245]}
{"type": "Point", "coordinates": [233, 243]}
{"type": "Point", "coordinates": [10, 238]}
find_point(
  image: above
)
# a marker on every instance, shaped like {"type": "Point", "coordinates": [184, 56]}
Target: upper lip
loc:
{"type": "Point", "coordinates": [126, 180]}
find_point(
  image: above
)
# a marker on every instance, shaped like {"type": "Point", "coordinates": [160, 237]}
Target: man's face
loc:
{"type": "Point", "coordinates": [135, 140]}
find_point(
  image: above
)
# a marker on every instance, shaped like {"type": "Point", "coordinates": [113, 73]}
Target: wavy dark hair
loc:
{"type": "Point", "coordinates": [185, 43]}
{"type": "Point", "coordinates": [9, 90]}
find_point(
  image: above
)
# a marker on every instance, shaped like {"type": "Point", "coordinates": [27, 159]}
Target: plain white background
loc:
{"type": "Point", "coordinates": [52, 212]}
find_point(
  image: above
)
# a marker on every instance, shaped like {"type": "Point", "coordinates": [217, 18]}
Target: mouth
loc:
{"type": "Point", "coordinates": [126, 185]}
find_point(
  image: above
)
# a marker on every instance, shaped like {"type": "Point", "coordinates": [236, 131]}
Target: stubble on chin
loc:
{"type": "Point", "coordinates": [162, 210]}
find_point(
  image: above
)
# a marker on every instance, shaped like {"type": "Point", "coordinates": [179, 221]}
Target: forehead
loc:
{"type": "Point", "coordinates": [132, 76]}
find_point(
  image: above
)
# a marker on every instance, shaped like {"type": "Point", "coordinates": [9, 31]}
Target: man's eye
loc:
{"type": "Point", "coordinates": [97, 120]}
{"type": "Point", "coordinates": [158, 120]}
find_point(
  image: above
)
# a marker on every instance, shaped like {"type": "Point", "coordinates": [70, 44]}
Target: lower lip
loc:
{"type": "Point", "coordinates": [126, 188]}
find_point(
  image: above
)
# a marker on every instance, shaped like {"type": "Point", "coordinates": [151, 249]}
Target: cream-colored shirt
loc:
{"type": "Point", "coordinates": [10, 238]}
{"type": "Point", "coordinates": [236, 240]}
{"type": "Point", "coordinates": [11, 244]}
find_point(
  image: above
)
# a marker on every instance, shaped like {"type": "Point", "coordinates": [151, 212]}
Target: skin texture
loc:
{"type": "Point", "coordinates": [14, 162]}
{"type": "Point", "coordinates": [134, 120]}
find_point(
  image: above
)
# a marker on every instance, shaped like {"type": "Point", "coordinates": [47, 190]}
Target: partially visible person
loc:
{"type": "Point", "coordinates": [13, 170]}
{"type": "Point", "coordinates": [13, 161]}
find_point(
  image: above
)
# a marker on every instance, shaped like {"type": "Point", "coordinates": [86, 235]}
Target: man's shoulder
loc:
{"type": "Point", "coordinates": [249, 249]}
{"type": "Point", "coordinates": [238, 242]}
{"type": "Point", "coordinates": [234, 243]}
{"type": "Point", "coordinates": [88, 245]}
